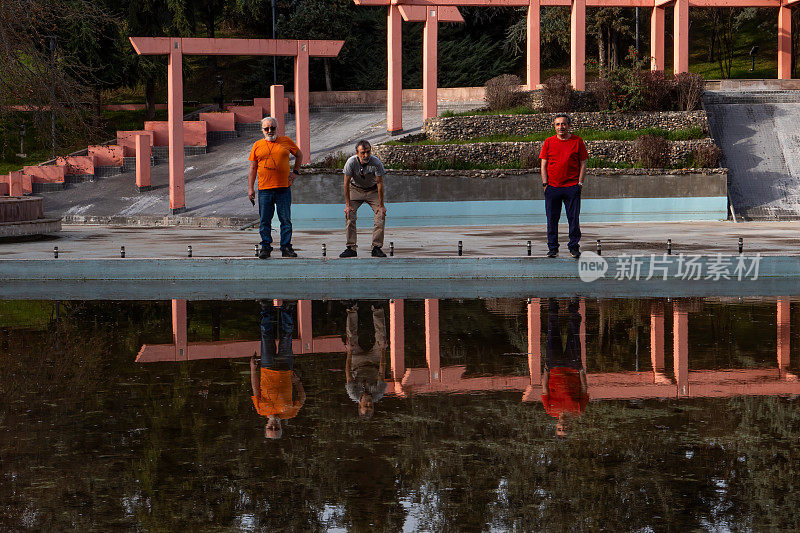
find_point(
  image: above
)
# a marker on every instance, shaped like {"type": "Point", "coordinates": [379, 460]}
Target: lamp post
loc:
{"type": "Point", "coordinates": [22, 131]}
{"type": "Point", "coordinates": [753, 52]}
{"type": "Point", "coordinates": [220, 98]}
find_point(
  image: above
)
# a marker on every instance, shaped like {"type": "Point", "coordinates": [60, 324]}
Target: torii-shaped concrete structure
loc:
{"type": "Point", "coordinates": [433, 11]}
{"type": "Point", "coordinates": [177, 47]}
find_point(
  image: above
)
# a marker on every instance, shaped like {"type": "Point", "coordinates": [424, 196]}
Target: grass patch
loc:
{"type": "Point", "coordinates": [461, 164]}
{"type": "Point", "coordinates": [599, 162]}
{"type": "Point", "coordinates": [518, 110]}
{"type": "Point", "coordinates": [695, 132]}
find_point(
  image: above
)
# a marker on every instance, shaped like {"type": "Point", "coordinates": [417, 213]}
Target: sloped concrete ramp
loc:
{"type": "Point", "coordinates": [759, 135]}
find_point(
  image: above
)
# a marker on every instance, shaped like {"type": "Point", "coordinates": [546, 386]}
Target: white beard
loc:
{"type": "Point", "coordinates": [272, 138]}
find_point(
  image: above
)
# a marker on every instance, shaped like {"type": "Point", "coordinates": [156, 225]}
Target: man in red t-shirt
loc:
{"type": "Point", "coordinates": [563, 171]}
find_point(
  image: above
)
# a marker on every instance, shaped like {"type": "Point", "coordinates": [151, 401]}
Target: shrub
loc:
{"type": "Point", "coordinates": [707, 156]}
{"type": "Point", "coordinates": [334, 161]}
{"type": "Point", "coordinates": [656, 90]}
{"type": "Point", "coordinates": [529, 156]}
{"type": "Point", "coordinates": [603, 93]}
{"type": "Point", "coordinates": [557, 94]}
{"type": "Point", "coordinates": [651, 151]}
{"type": "Point", "coordinates": [689, 89]}
{"type": "Point", "coordinates": [502, 92]}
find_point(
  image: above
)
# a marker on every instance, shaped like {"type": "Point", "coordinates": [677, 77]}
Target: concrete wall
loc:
{"type": "Point", "coordinates": [218, 121]}
{"type": "Point", "coordinates": [452, 128]}
{"type": "Point", "coordinates": [246, 114]}
{"type": "Point", "coordinates": [194, 132]}
{"type": "Point", "coordinates": [127, 139]}
{"type": "Point", "coordinates": [106, 156]}
{"type": "Point", "coordinates": [77, 164]}
{"type": "Point", "coordinates": [46, 173]}
{"type": "Point", "coordinates": [21, 209]}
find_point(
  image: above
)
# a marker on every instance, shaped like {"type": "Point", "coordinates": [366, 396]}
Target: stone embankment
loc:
{"type": "Point", "coordinates": [527, 152]}
{"type": "Point", "coordinates": [468, 127]}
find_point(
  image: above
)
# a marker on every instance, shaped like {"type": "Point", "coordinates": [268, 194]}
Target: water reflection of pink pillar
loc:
{"type": "Point", "coordinates": [680, 351]}
{"type": "Point", "coordinates": [430, 62]}
{"type": "Point", "coordinates": [304, 325]}
{"type": "Point", "coordinates": [394, 87]}
{"type": "Point", "coordinates": [577, 58]}
{"type": "Point", "coordinates": [276, 107]}
{"type": "Point", "coordinates": [535, 340]}
{"type": "Point", "coordinates": [680, 32]}
{"type": "Point", "coordinates": [432, 337]}
{"type": "Point", "coordinates": [657, 38]}
{"type": "Point", "coordinates": [582, 331]}
{"type": "Point", "coordinates": [784, 308]}
{"type": "Point", "coordinates": [397, 346]}
{"type": "Point", "coordinates": [533, 45]}
{"type": "Point", "coordinates": [180, 329]}
{"type": "Point", "coordinates": [657, 342]}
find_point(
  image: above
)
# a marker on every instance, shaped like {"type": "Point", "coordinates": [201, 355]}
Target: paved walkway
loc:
{"type": "Point", "coordinates": [87, 242]}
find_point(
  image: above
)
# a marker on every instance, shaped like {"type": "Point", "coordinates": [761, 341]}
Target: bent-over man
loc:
{"type": "Point", "coordinates": [363, 182]}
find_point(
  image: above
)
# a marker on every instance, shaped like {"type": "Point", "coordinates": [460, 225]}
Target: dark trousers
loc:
{"type": "Point", "coordinates": [571, 198]}
{"type": "Point", "coordinates": [276, 322]}
{"type": "Point", "coordinates": [558, 355]}
{"type": "Point", "coordinates": [268, 201]}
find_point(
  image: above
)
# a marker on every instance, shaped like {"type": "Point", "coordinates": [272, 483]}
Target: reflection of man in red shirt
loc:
{"type": "Point", "coordinates": [564, 391]}
{"type": "Point", "coordinates": [563, 171]}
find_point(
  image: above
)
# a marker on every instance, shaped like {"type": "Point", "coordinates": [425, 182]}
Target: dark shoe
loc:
{"type": "Point", "coordinates": [552, 253]}
{"type": "Point", "coordinates": [377, 252]}
{"type": "Point", "coordinates": [288, 252]}
{"type": "Point", "coordinates": [264, 253]}
{"type": "Point", "coordinates": [348, 252]}
{"type": "Point", "coordinates": [575, 253]}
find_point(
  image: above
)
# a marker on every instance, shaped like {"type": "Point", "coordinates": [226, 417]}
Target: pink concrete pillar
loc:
{"type": "Point", "coordinates": [301, 100]}
{"type": "Point", "coordinates": [142, 144]}
{"type": "Point", "coordinates": [785, 42]}
{"type": "Point", "coordinates": [432, 337]}
{"type": "Point", "coordinates": [535, 340]}
{"type": "Point", "coordinates": [534, 39]}
{"type": "Point", "coordinates": [577, 56]}
{"type": "Point", "coordinates": [657, 38]}
{"type": "Point", "coordinates": [394, 86]}
{"type": "Point", "coordinates": [680, 347]}
{"type": "Point", "coordinates": [397, 345]}
{"type": "Point", "coordinates": [180, 329]}
{"type": "Point", "coordinates": [15, 183]}
{"type": "Point", "coordinates": [582, 331]}
{"type": "Point", "coordinates": [276, 109]}
{"type": "Point", "coordinates": [680, 32]}
{"type": "Point", "coordinates": [430, 66]}
{"type": "Point", "coordinates": [783, 334]}
{"type": "Point", "coordinates": [304, 325]}
{"type": "Point", "coordinates": [657, 337]}
{"type": "Point", "coordinates": [177, 186]}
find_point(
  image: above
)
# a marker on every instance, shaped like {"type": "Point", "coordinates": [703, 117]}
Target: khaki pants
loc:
{"type": "Point", "coordinates": [358, 197]}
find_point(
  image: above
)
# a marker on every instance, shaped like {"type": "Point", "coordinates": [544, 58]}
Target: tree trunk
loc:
{"type": "Point", "coordinates": [601, 51]}
{"type": "Point", "coordinates": [326, 61]}
{"type": "Point", "coordinates": [150, 98]}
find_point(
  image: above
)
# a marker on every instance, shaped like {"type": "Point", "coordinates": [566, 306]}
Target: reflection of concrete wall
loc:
{"type": "Point", "coordinates": [449, 128]}
{"type": "Point", "coordinates": [507, 152]}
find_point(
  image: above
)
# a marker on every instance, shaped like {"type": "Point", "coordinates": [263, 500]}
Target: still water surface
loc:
{"type": "Point", "coordinates": [423, 415]}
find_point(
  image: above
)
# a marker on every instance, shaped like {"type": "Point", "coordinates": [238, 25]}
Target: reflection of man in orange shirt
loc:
{"type": "Point", "coordinates": [564, 390]}
{"type": "Point", "coordinates": [273, 385]}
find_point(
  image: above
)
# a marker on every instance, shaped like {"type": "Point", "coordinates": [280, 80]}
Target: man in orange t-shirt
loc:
{"type": "Point", "coordinates": [269, 161]}
{"type": "Point", "coordinates": [275, 382]}
{"type": "Point", "coordinates": [563, 171]}
{"type": "Point", "coordinates": [564, 389]}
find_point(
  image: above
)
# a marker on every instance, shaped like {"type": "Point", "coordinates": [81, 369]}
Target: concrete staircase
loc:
{"type": "Point", "coordinates": [758, 134]}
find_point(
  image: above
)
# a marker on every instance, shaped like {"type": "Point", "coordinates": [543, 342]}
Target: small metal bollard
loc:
{"type": "Point", "coordinates": [55, 252]}
{"type": "Point", "coordinates": [529, 248]}
{"type": "Point", "coordinates": [189, 250]}
{"type": "Point", "coordinates": [741, 244]}
{"type": "Point", "coordinates": [391, 249]}
{"type": "Point", "coordinates": [460, 248]}
{"type": "Point", "coordinates": [669, 246]}
{"type": "Point", "coordinates": [599, 249]}
{"type": "Point", "coordinates": [122, 251]}
{"type": "Point", "coordinates": [324, 250]}
{"type": "Point", "coordinates": [255, 247]}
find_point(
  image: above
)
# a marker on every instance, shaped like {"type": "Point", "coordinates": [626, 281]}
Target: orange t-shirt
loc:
{"type": "Point", "coordinates": [565, 395]}
{"type": "Point", "coordinates": [273, 161]}
{"type": "Point", "coordinates": [276, 394]}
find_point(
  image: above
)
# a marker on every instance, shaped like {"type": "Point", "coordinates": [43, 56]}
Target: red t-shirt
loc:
{"type": "Point", "coordinates": [563, 160]}
{"type": "Point", "coordinates": [565, 395]}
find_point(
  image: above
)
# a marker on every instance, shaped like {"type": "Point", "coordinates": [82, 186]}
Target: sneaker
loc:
{"type": "Point", "coordinates": [377, 252]}
{"type": "Point", "coordinates": [552, 253]}
{"type": "Point", "coordinates": [348, 252]}
{"type": "Point", "coordinates": [288, 252]}
{"type": "Point", "coordinates": [575, 253]}
{"type": "Point", "coordinates": [264, 253]}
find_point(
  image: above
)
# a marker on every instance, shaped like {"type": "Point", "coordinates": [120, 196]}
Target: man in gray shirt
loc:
{"type": "Point", "coordinates": [363, 182]}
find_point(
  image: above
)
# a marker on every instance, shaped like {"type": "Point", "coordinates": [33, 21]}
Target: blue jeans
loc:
{"type": "Point", "coordinates": [571, 198]}
{"type": "Point", "coordinates": [557, 355]}
{"type": "Point", "coordinates": [268, 200]}
{"type": "Point", "coordinates": [276, 322]}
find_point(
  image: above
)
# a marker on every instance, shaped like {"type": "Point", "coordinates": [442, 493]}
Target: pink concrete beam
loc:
{"type": "Point", "coordinates": [319, 48]}
{"type": "Point", "coordinates": [680, 32]}
{"type": "Point", "coordinates": [276, 110]}
{"type": "Point", "coordinates": [657, 38]}
{"type": "Point", "coordinates": [432, 338]}
{"type": "Point", "coordinates": [535, 341]}
{"type": "Point", "coordinates": [143, 161]}
{"type": "Point", "coordinates": [785, 43]}
{"type": "Point", "coordinates": [177, 186]}
{"type": "Point", "coordinates": [397, 346]}
{"type": "Point", "coordinates": [577, 57]}
{"type": "Point", "coordinates": [219, 121]}
{"type": "Point", "coordinates": [301, 115]}
{"type": "Point", "coordinates": [734, 3]}
{"type": "Point", "coordinates": [180, 330]}
{"type": "Point", "coordinates": [418, 13]}
{"type": "Point", "coordinates": [430, 63]}
{"type": "Point", "coordinates": [148, 46]}
{"type": "Point", "coordinates": [784, 310]}
{"type": "Point", "coordinates": [394, 57]}
{"type": "Point", "coordinates": [532, 51]}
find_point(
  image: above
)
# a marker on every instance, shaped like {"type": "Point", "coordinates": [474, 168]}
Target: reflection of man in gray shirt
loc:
{"type": "Point", "coordinates": [363, 182]}
{"type": "Point", "coordinates": [364, 369]}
